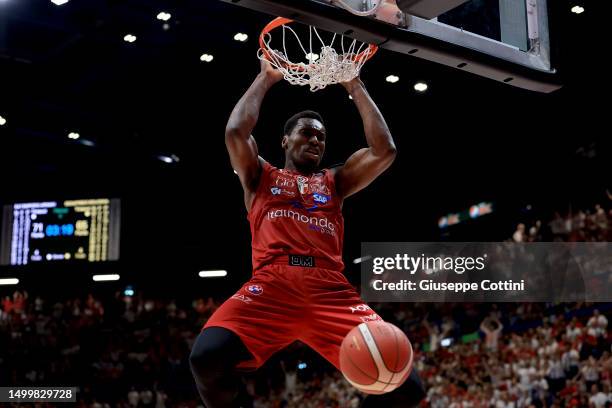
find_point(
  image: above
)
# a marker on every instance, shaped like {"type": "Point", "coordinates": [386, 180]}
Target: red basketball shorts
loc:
{"type": "Point", "coordinates": [282, 303]}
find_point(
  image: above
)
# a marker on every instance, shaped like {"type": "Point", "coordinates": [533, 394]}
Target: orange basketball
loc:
{"type": "Point", "coordinates": [376, 357]}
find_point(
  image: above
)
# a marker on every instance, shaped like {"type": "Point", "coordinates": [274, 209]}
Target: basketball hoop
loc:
{"type": "Point", "coordinates": [331, 66]}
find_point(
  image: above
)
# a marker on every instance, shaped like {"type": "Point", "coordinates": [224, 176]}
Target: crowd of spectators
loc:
{"type": "Point", "coordinates": [131, 351]}
{"type": "Point", "coordinates": [588, 225]}
{"type": "Point", "coordinates": [126, 349]}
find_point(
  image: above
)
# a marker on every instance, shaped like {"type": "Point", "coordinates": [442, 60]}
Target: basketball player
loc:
{"type": "Point", "coordinates": [297, 291]}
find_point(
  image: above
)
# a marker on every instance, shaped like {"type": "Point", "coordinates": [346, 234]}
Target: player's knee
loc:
{"type": "Point", "coordinates": [215, 352]}
{"type": "Point", "coordinates": [201, 361]}
{"type": "Point", "coordinates": [208, 358]}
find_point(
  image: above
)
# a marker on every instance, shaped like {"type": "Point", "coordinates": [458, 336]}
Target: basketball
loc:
{"type": "Point", "coordinates": [376, 357]}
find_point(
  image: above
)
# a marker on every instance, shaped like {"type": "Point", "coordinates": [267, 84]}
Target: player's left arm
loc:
{"type": "Point", "coordinates": [366, 164]}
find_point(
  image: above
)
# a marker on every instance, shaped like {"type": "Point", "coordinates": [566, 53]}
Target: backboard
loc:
{"type": "Point", "coordinates": [505, 40]}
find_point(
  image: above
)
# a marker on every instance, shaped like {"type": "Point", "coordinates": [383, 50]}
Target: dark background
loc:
{"type": "Point", "coordinates": [465, 140]}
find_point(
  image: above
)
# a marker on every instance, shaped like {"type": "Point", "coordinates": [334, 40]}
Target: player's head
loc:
{"type": "Point", "coordinates": [304, 140]}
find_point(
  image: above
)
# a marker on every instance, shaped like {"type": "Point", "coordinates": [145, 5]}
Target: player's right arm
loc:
{"type": "Point", "coordinates": [240, 143]}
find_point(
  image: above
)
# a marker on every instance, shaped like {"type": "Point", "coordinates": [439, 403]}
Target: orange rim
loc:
{"type": "Point", "coordinates": [280, 21]}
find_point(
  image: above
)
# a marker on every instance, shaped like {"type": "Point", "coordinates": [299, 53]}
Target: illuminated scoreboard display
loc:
{"type": "Point", "coordinates": [73, 230]}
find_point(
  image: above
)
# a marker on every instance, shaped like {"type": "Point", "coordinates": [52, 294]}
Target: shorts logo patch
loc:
{"type": "Point", "coordinates": [255, 289]}
{"type": "Point", "coordinates": [370, 318]}
{"type": "Point", "coordinates": [243, 298]}
{"type": "Point", "coordinates": [360, 308]}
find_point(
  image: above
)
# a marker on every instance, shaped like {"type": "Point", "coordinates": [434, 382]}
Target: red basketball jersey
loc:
{"type": "Point", "coordinates": [295, 214]}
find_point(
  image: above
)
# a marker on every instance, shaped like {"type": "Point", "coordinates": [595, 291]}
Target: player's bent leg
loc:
{"type": "Point", "coordinates": [213, 361]}
{"type": "Point", "coordinates": [408, 395]}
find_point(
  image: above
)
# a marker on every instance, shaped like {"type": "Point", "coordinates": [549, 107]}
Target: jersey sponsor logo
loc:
{"type": "Point", "coordinates": [360, 308]}
{"type": "Point", "coordinates": [278, 191]}
{"type": "Point", "coordinates": [302, 184]}
{"type": "Point", "coordinates": [320, 198]}
{"type": "Point", "coordinates": [319, 188]}
{"type": "Point", "coordinates": [243, 298]}
{"type": "Point", "coordinates": [320, 224]}
{"type": "Point", "coordinates": [284, 182]}
{"type": "Point", "coordinates": [255, 289]}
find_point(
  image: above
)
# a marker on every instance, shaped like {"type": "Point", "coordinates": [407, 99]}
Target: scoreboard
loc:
{"type": "Point", "coordinates": [73, 230]}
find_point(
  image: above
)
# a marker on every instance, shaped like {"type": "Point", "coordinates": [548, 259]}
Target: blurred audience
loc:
{"type": "Point", "coordinates": [131, 350]}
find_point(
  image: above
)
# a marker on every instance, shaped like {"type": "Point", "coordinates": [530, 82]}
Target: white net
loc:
{"type": "Point", "coordinates": [320, 67]}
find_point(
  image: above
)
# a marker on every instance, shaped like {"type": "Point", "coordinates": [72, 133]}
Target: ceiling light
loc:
{"type": "Point", "coordinates": [163, 16]}
{"type": "Point", "coordinates": [105, 278]}
{"type": "Point", "coordinates": [420, 87]}
{"type": "Point", "coordinates": [392, 79]}
{"type": "Point", "coordinates": [212, 274]}
{"type": "Point", "coordinates": [9, 281]}
{"type": "Point", "coordinates": [241, 37]}
{"type": "Point", "coordinates": [577, 9]}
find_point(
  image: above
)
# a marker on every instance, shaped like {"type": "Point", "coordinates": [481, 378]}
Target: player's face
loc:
{"type": "Point", "coordinates": [306, 143]}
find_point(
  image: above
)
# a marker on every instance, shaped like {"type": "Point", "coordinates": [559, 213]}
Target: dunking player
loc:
{"type": "Point", "coordinates": [297, 291]}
